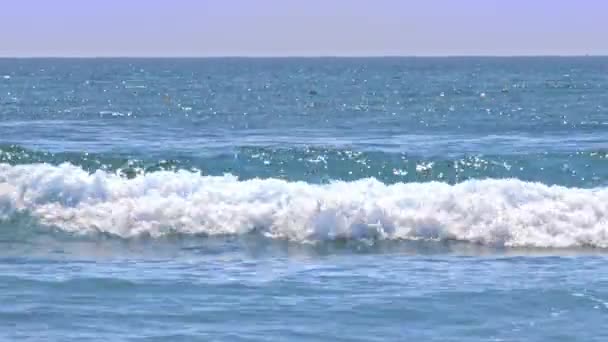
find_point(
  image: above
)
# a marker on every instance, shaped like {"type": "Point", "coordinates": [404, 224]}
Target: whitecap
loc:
{"type": "Point", "coordinates": [503, 212]}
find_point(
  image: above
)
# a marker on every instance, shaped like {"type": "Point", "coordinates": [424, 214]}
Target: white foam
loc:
{"type": "Point", "coordinates": [493, 212]}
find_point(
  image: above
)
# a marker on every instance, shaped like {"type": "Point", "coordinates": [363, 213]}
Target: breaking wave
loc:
{"type": "Point", "coordinates": [505, 212]}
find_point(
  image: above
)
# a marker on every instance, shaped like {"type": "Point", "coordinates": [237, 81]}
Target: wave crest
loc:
{"type": "Point", "coordinates": [490, 212]}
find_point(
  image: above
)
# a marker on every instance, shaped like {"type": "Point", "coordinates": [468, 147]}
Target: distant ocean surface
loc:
{"type": "Point", "coordinates": [328, 199]}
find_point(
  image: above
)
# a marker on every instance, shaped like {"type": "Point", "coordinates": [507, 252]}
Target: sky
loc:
{"type": "Point", "coordinates": [302, 27]}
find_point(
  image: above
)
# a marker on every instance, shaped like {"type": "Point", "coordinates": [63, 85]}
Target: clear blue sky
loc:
{"type": "Point", "coordinates": [302, 27]}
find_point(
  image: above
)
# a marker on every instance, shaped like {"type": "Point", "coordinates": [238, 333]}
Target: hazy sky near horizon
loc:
{"type": "Point", "coordinates": [302, 27]}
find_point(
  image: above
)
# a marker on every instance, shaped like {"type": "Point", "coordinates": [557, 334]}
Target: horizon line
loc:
{"type": "Point", "coordinates": [270, 56]}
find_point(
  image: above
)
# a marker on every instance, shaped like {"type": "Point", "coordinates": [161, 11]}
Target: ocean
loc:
{"type": "Point", "coordinates": [304, 199]}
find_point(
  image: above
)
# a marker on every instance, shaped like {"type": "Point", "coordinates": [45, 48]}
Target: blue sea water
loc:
{"type": "Point", "coordinates": [328, 199]}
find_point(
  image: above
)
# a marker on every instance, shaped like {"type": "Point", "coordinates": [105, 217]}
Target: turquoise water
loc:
{"type": "Point", "coordinates": [434, 199]}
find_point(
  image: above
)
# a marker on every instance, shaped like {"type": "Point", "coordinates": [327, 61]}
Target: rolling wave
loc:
{"type": "Point", "coordinates": [583, 169]}
{"type": "Point", "coordinates": [497, 212]}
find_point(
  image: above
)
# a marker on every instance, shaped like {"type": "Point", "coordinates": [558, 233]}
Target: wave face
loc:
{"type": "Point", "coordinates": [505, 212]}
{"type": "Point", "coordinates": [322, 165]}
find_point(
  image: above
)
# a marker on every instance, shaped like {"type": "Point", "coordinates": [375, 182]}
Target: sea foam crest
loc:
{"type": "Point", "coordinates": [493, 212]}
